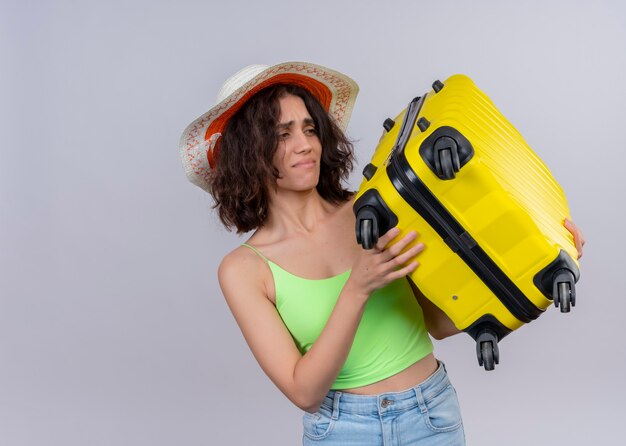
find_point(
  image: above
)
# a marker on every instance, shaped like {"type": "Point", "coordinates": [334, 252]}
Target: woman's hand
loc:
{"type": "Point", "coordinates": [579, 240]}
{"type": "Point", "coordinates": [375, 268]}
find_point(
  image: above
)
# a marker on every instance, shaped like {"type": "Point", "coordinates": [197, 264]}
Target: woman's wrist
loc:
{"type": "Point", "coordinates": [355, 292]}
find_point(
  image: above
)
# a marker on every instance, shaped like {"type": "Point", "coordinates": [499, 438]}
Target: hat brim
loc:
{"type": "Point", "coordinates": [335, 91]}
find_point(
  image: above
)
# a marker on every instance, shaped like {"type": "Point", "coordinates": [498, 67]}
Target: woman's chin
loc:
{"type": "Point", "coordinates": [300, 186]}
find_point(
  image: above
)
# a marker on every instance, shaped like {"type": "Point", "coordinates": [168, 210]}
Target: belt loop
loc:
{"type": "Point", "coordinates": [420, 398]}
{"type": "Point", "coordinates": [444, 366]}
{"type": "Point", "coordinates": [336, 399]}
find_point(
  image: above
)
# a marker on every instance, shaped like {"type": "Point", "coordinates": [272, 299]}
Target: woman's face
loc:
{"type": "Point", "coordinates": [299, 150]}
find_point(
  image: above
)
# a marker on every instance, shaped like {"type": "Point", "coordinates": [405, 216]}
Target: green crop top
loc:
{"type": "Point", "coordinates": [391, 335]}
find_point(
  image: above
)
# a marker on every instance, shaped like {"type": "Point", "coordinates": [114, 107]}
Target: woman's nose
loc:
{"type": "Point", "coordinates": [303, 143]}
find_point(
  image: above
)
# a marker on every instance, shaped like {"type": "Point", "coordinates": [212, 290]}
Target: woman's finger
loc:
{"type": "Point", "coordinates": [407, 255]}
{"type": "Point", "coordinates": [579, 239]}
{"type": "Point", "coordinates": [386, 238]}
{"type": "Point", "coordinates": [399, 246]}
{"type": "Point", "coordinates": [579, 246]}
{"type": "Point", "coordinates": [402, 272]}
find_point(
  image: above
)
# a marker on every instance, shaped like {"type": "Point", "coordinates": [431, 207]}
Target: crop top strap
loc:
{"type": "Point", "coordinates": [257, 251]}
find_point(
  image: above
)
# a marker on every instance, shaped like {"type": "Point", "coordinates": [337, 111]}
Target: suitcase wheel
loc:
{"type": "Point", "coordinates": [367, 233]}
{"type": "Point", "coordinates": [373, 217]}
{"type": "Point", "coordinates": [437, 86]}
{"type": "Point", "coordinates": [487, 349]}
{"type": "Point", "coordinates": [445, 151]}
{"type": "Point", "coordinates": [564, 297]}
{"type": "Point", "coordinates": [447, 161]}
{"type": "Point", "coordinates": [563, 290]}
{"type": "Point", "coordinates": [367, 227]}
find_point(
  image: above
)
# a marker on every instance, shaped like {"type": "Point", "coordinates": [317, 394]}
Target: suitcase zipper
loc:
{"type": "Point", "coordinates": [418, 196]}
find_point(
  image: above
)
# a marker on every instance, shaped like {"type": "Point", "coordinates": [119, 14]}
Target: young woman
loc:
{"type": "Point", "coordinates": [338, 329]}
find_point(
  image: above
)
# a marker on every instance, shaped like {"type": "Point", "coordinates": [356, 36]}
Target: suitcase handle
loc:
{"type": "Point", "coordinates": [410, 118]}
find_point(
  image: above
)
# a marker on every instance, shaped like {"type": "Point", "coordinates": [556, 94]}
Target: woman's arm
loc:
{"type": "Point", "coordinates": [438, 324]}
{"type": "Point", "coordinates": [306, 379]}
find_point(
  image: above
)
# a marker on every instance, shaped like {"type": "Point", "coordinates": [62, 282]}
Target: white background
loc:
{"type": "Point", "coordinates": [113, 330]}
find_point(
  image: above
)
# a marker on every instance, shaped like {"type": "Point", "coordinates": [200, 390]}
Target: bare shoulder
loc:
{"type": "Point", "coordinates": [238, 260]}
{"type": "Point", "coordinates": [243, 273]}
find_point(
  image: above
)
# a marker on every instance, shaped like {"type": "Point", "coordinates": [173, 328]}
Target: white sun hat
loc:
{"type": "Point", "coordinates": [199, 142]}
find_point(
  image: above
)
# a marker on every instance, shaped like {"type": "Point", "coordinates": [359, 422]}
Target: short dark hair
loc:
{"type": "Point", "coordinates": [244, 167]}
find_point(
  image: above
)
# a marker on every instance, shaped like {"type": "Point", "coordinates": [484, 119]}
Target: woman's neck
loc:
{"type": "Point", "coordinates": [292, 211]}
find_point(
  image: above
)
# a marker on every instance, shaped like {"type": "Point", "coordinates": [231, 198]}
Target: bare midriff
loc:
{"type": "Point", "coordinates": [406, 379]}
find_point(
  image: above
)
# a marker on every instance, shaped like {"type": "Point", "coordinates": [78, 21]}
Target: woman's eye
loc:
{"type": "Point", "coordinates": [311, 131]}
{"type": "Point", "coordinates": [282, 136]}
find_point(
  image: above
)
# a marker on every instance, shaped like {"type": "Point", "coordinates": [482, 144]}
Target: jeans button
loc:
{"type": "Point", "coordinates": [386, 403]}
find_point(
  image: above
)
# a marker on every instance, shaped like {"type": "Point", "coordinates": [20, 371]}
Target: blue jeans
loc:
{"type": "Point", "coordinates": [427, 414]}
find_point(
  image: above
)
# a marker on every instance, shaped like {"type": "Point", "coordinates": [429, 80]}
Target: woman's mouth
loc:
{"type": "Point", "coordinates": [305, 164]}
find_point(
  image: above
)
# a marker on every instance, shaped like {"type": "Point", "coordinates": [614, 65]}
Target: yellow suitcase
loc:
{"type": "Point", "coordinates": [451, 167]}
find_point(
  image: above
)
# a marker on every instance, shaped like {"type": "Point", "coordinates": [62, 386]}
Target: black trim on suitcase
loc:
{"type": "Point", "coordinates": [544, 279]}
{"type": "Point", "coordinates": [562, 271]}
{"type": "Point", "coordinates": [372, 207]}
{"type": "Point", "coordinates": [487, 332]}
{"type": "Point", "coordinates": [488, 321]}
{"type": "Point", "coordinates": [412, 110]}
{"type": "Point", "coordinates": [417, 195]}
{"type": "Point", "coordinates": [445, 138]}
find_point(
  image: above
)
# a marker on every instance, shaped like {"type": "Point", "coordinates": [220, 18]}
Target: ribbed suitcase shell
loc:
{"type": "Point", "coordinates": [504, 197]}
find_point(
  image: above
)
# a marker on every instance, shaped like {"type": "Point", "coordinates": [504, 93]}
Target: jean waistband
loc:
{"type": "Point", "coordinates": [337, 401]}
